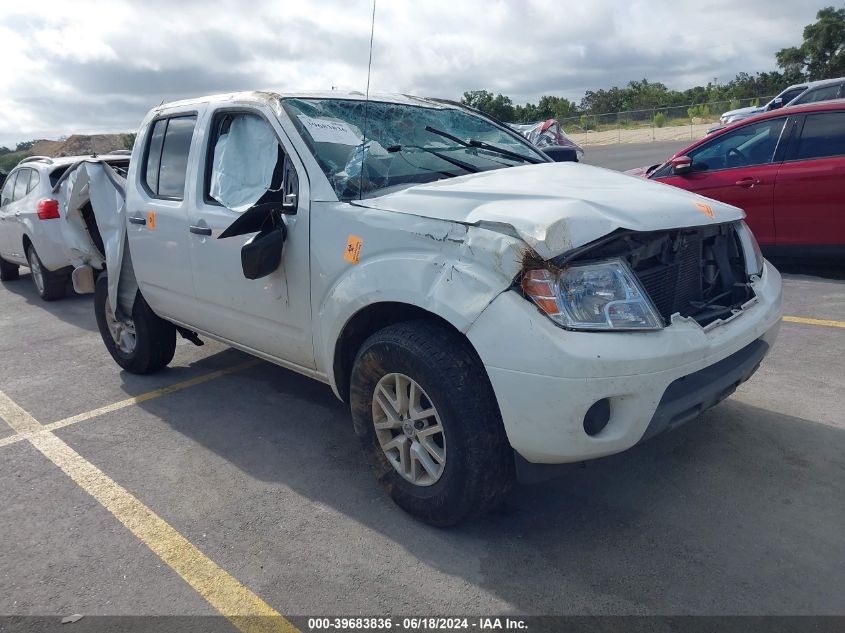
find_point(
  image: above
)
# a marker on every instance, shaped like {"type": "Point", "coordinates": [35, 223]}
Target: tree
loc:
{"type": "Point", "coordinates": [4, 151]}
{"type": "Point", "coordinates": [822, 55]}
{"type": "Point", "coordinates": [24, 146]}
{"type": "Point", "coordinates": [128, 140]}
{"type": "Point", "coordinates": [499, 106]}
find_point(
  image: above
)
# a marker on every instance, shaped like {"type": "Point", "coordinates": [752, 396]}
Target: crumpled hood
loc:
{"type": "Point", "coordinates": [555, 207]}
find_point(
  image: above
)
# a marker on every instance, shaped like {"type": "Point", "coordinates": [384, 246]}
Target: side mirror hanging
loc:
{"type": "Point", "coordinates": [262, 254]}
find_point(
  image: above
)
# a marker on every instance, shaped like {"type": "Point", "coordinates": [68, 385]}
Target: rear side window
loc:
{"type": "Point", "coordinates": [166, 162]}
{"type": "Point", "coordinates": [34, 179]}
{"type": "Point", "coordinates": [820, 94]}
{"type": "Point", "coordinates": [823, 135]}
{"type": "Point", "coordinates": [21, 184]}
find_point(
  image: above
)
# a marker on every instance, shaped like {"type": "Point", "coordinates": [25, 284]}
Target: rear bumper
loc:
{"type": "Point", "coordinates": [546, 378]}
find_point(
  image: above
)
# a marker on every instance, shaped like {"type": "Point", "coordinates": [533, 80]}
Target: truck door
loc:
{"type": "Point", "coordinates": [810, 187]}
{"type": "Point", "coordinates": [156, 212]}
{"type": "Point", "coordinates": [248, 159]}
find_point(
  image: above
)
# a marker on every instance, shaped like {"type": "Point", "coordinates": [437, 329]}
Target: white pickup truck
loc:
{"type": "Point", "coordinates": [486, 313]}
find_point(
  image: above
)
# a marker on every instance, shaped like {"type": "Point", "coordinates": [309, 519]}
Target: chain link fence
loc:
{"type": "Point", "coordinates": [675, 123]}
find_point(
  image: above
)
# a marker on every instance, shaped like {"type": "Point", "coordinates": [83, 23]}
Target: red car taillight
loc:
{"type": "Point", "coordinates": [48, 209]}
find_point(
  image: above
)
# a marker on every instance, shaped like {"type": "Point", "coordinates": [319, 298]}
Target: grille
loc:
{"type": "Point", "coordinates": [672, 286]}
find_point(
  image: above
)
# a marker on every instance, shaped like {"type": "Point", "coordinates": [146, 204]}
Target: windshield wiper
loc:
{"type": "Point", "coordinates": [482, 145]}
{"type": "Point", "coordinates": [455, 161]}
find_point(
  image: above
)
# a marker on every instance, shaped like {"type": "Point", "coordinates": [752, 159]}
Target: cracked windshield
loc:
{"type": "Point", "coordinates": [405, 145]}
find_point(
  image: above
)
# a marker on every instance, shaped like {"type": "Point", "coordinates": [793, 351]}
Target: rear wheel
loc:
{"type": "Point", "coordinates": [8, 272]}
{"type": "Point", "coordinates": [427, 417]}
{"type": "Point", "coordinates": [49, 285]}
{"type": "Point", "coordinates": [143, 343]}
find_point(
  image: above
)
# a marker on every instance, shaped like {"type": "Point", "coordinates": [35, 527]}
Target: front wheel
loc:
{"type": "Point", "coordinates": [49, 285]}
{"type": "Point", "coordinates": [143, 343]}
{"type": "Point", "coordinates": [427, 417]}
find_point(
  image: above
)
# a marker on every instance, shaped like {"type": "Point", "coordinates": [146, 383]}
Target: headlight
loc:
{"type": "Point", "coordinates": [600, 296]}
{"type": "Point", "coordinates": [754, 260]}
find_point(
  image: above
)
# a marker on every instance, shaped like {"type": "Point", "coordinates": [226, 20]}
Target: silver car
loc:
{"type": "Point", "coordinates": [809, 92]}
{"type": "Point", "coordinates": [34, 230]}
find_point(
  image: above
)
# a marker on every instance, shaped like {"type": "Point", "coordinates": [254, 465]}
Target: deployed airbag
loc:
{"type": "Point", "coordinates": [244, 160]}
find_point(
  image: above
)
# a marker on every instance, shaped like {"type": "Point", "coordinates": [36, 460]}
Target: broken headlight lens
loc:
{"type": "Point", "coordinates": [754, 261]}
{"type": "Point", "coordinates": [598, 296]}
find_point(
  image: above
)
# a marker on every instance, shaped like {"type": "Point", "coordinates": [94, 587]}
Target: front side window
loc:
{"type": "Point", "coordinates": [789, 95]}
{"type": "Point", "coordinates": [406, 144]}
{"type": "Point", "coordinates": [246, 163]}
{"type": "Point", "coordinates": [753, 144]}
{"type": "Point", "coordinates": [8, 190]}
{"type": "Point", "coordinates": [166, 163]}
{"type": "Point", "coordinates": [820, 94]}
{"type": "Point", "coordinates": [823, 135]}
{"type": "Point", "coordinates": [21, 184]}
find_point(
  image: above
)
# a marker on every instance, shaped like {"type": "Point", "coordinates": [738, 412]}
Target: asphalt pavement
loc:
{"type": "Point", "coordinates": [630, 155]}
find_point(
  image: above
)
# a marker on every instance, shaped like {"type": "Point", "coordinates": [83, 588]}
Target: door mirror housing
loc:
{"type": "Point", "coordinates": [262, 254]}
{"type": "Point", "coordinates": [681, 165]}
{"type": "Point", "coordinates": [561, 154]}
{"type": "Point", "coordinates": [776, 104]}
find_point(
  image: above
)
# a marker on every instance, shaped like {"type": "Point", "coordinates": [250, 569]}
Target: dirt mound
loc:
{"type": "Point", "coordinates": [81, 145]}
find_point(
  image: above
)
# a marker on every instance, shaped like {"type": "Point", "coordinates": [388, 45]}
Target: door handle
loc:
{"type": "Point", "coordinates": [137, 220]}
{"type": "Point", "coordinates": [200, 230]}
{"type": "Point", "coordinates": [747, 182]}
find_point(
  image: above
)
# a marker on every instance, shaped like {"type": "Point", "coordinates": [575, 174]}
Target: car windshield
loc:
{"type": "Point", "coordinates": [405, 145]}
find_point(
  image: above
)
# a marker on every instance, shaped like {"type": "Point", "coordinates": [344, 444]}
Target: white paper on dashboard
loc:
{"type": "Point", "coordinates": [327, 131]}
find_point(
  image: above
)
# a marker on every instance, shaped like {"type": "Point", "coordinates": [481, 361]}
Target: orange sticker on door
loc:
{"type": "Point", "coordinates": [352, 252]}
{"type": "Point", "coordinates": [706, 209]}
{"type": "Point", "coordinates": [151, 220]}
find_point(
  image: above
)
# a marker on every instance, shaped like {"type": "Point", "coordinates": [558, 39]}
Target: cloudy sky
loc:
{"type": "Point", "coordinates": [74, 66]}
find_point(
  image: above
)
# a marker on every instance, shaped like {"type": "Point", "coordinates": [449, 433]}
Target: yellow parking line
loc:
{"type": "Point", "coordinates": [156, 393]}
{"type": "Point", "coordinates": [242, 607]}
{"type": "Point", "coordinates": [179, 386]}
{"type": "Point", "coordinates": [806, 321]}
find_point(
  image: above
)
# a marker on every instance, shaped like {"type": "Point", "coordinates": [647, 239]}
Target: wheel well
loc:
{"type": "Point", "coordinates": [367, 321]}
{"type": "Point", "coordinates": [26, 243]}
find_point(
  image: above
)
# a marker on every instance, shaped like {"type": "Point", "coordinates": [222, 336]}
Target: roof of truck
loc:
{"type": "Point", "coordinates": [264, 96]}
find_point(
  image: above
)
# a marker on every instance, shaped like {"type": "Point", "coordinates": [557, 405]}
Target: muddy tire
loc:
{"type": "Point", "coordinates": [8, 272]}
{"type": "Point", "coordinates": [440, 449]}
{"type": "Point", "coordinates": [48, 284]}
{"type": "Point", "coordinates": [142, 344]}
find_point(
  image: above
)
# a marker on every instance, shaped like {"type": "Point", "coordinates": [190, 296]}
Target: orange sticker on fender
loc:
{"type": "Point", "coordinates": [352, 252]}
{"type": "Point", "coordinates": [706, 209]}
{"type": "Point", "coordinates": [151, 220]}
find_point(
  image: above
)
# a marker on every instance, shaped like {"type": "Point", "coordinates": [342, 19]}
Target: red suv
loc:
{"type": "Point", "coordinates": [785, 168]}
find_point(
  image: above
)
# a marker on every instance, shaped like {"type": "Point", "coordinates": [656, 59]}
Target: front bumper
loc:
{"type": "Point", "coordinates": [546, 378]}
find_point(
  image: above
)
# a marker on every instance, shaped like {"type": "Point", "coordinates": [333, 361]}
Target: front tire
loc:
{"type": "Point", "coordinates": [428, 420]}
{"type": "Point", "coordinates": [8, 272]}
{"type": "Point", "coordinates": [142, 344]}
{"type": "Point", "coordinates": [48, 284]}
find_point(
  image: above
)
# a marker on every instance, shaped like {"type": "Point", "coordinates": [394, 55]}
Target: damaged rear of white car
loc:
{"type": "Point", "coordinates": [485, 312]}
